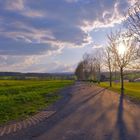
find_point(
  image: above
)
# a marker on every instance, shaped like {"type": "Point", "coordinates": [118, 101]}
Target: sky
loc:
{"type": "Point", "coordinates": [52, 35]}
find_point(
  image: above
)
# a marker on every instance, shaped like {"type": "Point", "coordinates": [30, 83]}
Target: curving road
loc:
{"type": "Point", "coordinates": [87, 113]}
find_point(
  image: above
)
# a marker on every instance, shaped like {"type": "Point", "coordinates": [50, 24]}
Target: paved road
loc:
{"type": "Point", "coordinates": [91, 113]}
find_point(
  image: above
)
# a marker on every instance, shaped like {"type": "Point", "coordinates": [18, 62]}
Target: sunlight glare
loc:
{"type": "Point", "coordinates": [121, 48]}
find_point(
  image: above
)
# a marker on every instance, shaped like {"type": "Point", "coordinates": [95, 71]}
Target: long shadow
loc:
{"type": "Point", "coordinates": [120, 127]}
{"type": "Point", "coordinates": [91, 97]}
{"type": "Point", "coordinates": [120, 122]}
{"type": "Point", "coordinates": [61, 115]}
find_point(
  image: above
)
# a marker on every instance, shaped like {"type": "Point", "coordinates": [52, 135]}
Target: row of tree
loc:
{"type": "Point", "coordinates": [90, 67]}
{"type": "Point", "coordinates": [121, 53]}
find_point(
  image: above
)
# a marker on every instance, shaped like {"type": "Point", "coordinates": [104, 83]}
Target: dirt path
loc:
{"type": "Point", "coordinates": [92, 113]}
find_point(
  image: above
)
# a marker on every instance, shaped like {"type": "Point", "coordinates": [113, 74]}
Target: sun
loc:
{"type": "Point", "coordinates": [121, 48]}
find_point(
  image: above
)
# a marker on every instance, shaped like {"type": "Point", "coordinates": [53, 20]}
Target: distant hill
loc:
{"type": "Point", "coordinates": [19, 75]}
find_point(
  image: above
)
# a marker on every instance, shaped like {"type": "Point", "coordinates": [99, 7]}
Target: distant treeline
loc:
{"type": "Point", "coordinates": [128, 75]}
{"type": "Point", "coordinates": [45, 76]}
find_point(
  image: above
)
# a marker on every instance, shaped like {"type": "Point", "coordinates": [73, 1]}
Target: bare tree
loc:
{"type": "Point", "coordinates": [133, 25]}
{"type": "Point", "coordinates": [90, 66]}
{"type": "Point", "coordinates": [124, 51]}
{"type": "Point", "coordinates": [108, 62]}
{"type": "Point", "coordinates": [86, 65]}
{"type": "Point", "coordinates": [79, 72]}
{"type": "Point", "coordinates": [98, 58]}
{"type": "Point", "coordinates": [85, 68]}
{"type": "Point", "coordinates": [133, 21]}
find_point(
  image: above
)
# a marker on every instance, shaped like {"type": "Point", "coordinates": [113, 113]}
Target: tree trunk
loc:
{"type": "Point", "coordinates": [115, 75]}
{"type": "Point", "coordinates": [122, 81]}
{"type": "Point", "coordinates": [99, 76]}
{"type": "Point", "coordinates": [110, 78]}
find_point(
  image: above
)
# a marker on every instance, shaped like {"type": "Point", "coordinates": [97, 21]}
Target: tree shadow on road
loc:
{"type": "Point", "coordinates": [56, 119]}
{"type": "Point", "coordinates": [120, 122]}
{"type": "Point", "coordinates": [120, 126]}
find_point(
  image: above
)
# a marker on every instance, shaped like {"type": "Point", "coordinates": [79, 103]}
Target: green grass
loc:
{"type": "Point", "coordinates": [132, 89]}
{"type": "Point", "coordinates": [22, 98]}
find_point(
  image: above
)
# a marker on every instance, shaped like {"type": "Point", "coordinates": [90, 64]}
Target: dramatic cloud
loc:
{"type": "Point", "coordinates": [29, 27]}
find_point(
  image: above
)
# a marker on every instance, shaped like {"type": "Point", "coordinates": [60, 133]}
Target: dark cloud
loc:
{"type": "Point", "coordinates": [37, 26]}
{"type": "Point", "coordinates": [13, 47]}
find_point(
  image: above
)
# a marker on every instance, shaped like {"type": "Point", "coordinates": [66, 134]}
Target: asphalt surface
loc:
{"type": "Point", "coordinates": [87, 113]}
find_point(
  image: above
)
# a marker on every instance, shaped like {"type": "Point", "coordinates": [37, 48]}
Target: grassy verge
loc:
{"type": "Point", "coordinates": [22, 98]}
{"type": "Point", "coordinates": [132, 89]}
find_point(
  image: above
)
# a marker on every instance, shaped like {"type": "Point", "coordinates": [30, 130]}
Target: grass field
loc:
{"type": "Point", "coordinates": [132, 89]}
{"type": "Point", "coordinates": [22, 98]}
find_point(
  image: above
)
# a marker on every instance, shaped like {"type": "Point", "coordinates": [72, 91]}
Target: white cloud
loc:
{"type": "Point", "coordinates": [97, 46]}
{"type": "Point", "coordinates": [27, 33]}
{"type": "Point", "coordinates": [33, 13]}
{"type": "Point", "coordinates": [60, 67]}
{"type": "Point", "coordinates": [22, 7]}
{"type": "Point", "coordinates": [33, 63]}
{"type": "Point", "coordinates": [72, 1]}
{"type": "Point", "coordinates": [15, 5]}
{"type": "Point", "coordinates": [132, 2]}
{"type": "Point", "coordinates": [109, 19]}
